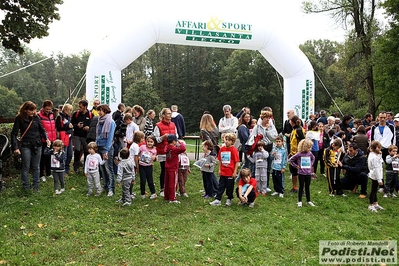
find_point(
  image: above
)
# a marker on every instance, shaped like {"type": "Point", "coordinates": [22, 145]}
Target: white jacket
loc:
{"type": "Point", "coordinates": [375, 163]}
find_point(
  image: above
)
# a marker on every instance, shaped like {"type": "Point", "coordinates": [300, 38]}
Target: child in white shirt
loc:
{"type": "Point", "coordinates": [93, 161]}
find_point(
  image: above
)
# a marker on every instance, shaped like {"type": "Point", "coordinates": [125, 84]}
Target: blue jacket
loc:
{"type": "Point", "coordinates": [279, 159]}
{"type": "Point", "coordinates": [106, 143]}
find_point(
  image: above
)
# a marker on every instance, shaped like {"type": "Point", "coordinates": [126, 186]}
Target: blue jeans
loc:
{"type": "Point", "coordinates": [30, 157]}
{"type": "Point", "coordinates": [107, 170]}
{"type": "Point", "coordinates": [69, 154]}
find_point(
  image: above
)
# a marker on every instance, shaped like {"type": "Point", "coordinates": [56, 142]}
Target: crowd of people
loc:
{"type": "Point", "coordinates": [116, 146]}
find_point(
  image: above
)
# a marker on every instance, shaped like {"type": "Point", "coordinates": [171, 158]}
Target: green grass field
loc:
{"type": "Point", "coordinates": [49, 229]}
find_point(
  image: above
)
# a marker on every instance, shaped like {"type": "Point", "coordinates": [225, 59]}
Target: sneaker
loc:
{"type": "Point", "coordinates": [281, 195]}
{"type": "Point", "coordinates": [371, 208]}
{"type": "Point", "coordinates": [174, 201]}
{"type": "Point", "coordinates": [119, 200]}
{"type": "Point", "coordinates": [110, 194]}
{"type": "Point", "coordinates": [57, 192]}
{"type": "Point", "coordinates": [153, 196]}
{"type": "Point", "coordinates": [385, 195]}
{"type": "Point", "coordinates": [274, 193]}
{"type": "Point", "coordinates": [143, 196]}
{"type": "Point", "coordinates": [251, 204]}
{"type": "Point", "coordinates": [324, 175]}
{"type": "Point", "coordinates": [133, 196]}
{"type": "Point", "coordinates": [126, 203]}
{"type": "Point", "coordinates": [299, 204]}
{"type": "Point", "coordinates": [216, 202]}
{"type": "Point", "coordinates": [184, 195]}
{"type": "Point", "coordinates": [50, 176]}
{"type": "Point", "coordinates": [362, 196]}
{"type": "Point", "coordinates": [380, 190]}
{"type": "Point", "coordinates": [161, 194]}
{"type": "Point", "coordinates": [332, 195]}
{"type": "Point", "coordinates": [268, 190]}
{"type": "Point", "coordinates": [228, 202]}
{"type": "Point", "coordinates": [43, 178]}
{"type": "Point", "coordinates": [343, 195]}
{"type": "Point", "coordinates": [311, 204]}
{"type": "Point", "coordinates": [242, 203]}
{"type": "Point", "coordinates": [378, 207]}
{"type": "Point", "coordinates": [206, 197]}
{"type": "Point", "coordinates": [393, 195]}
{"type": "Point", "coordinates": [294, 190]}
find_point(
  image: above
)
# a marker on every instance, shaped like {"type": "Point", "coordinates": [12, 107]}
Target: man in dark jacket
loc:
{"type": "Point", "coordinates": [355, 167]}
{"type": "Point", "coordinates": [178, 119]}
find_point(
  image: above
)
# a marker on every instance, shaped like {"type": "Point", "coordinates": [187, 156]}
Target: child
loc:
{"type": "Point", "coordinates": [93, 161]}
{"type": "Point", "coordinates": [392, 165]}
{"type": "Point", "coordinates": [57, 161]}
{"type": "Point", "coordinates": [314, 136]}
{"type": "Point", "coordinates": [374, 162]}
{"type": "Point", "coordinates": [279, 156]}
{"type": "Point", "coordinates": [147, 155]}
{"type": "Point", "coordinates": [332, 155]}
{"type": "Point", "coordinates": [138, 137]}
{"type": "Point", "coordinates": [303, 161]}
{"type": "Point", "coordinates": [173, 150]}
{"type": "Point", "coordinates": [246, 188]}
{"type": "Point", "coordinates": [259, 158]}
{"type": "Point", "coordinates": [131, 127]}
{"type": "Point", "coordinates": [229, 162]}
{"type": "Point", "coordinates": [208, 176]}
{"type": "Point", "coordinates": [253, 124]}
{"type": "Point", "coordinates": [182, 173]}
{"type": "Point", "coordinates": [126, 176]}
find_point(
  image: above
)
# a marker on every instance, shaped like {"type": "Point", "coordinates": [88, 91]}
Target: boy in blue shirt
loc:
{"type": "Point", "coordinates": [279, 162]}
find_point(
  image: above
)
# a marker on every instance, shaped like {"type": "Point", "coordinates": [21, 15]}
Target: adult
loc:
{"type": "Point", "coordinates": [361, 139]}
{"type": "Point", "coordinates": [297, 134]}
{"type": "Point", "coordinates": [330, 125]}
{"type": "Point", "coordinates": [138, 116]}
{"type": "Point", "coordinates": [161, 131]}
{"type": "Point", "coordinates": [355, 169]}
{"type": "Point", "coordinates": [104, 137]}
{"type": "Point", "coordinates": [243, 110]}
{"type": "Point", "coordinates": [383, 133]}
{"type": "Point", "coordinates": [96, 103]}
{"type": "Point", "coordinates": [149, 126]}
{"type": "Point", "coordinates": [228, 123]}
{"type": "Point", "coordinates": [389, 118]}
{"type": "Point", "coordinates": [345, 127]}
{"type": "Point", "coordinates": [117, 116]}
{"type": "Point", "coordinates": [367, 120]}
{"type": "Point", "coordinates": [322, 117]}
{"type": "Point", "coordinates": [324, 143]}
{"type": "Point", "coordinates": [209, 131]}
{"type": "Point", "coordinates": [80, 120]}
{"type": "Point", "coordinates": [48, 121]}
{"type": "Point", "coordinates": [178, 119]}
{"type": "Point", "coordinates": [65, 130]}
{"type": "Point", "coordinates": [396, 124]}
{"type": "Point", "coordinates": [287, 129]}
{"type": "Point", "coordinates": [244, 124]}
{"type": "Point", "coordinates": [31, 131]}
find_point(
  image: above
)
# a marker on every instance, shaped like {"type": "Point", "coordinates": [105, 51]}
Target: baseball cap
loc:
{"type": "Point", "coordinates": [172, 137]}
{"type": "Point", "coordinates": [396, 119]}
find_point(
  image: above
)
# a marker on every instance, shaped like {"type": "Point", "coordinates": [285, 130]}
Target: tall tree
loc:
{"type": "Point", "coordinates": [359, 17]}
{"type": "Point", "coordinates": [26, 20]}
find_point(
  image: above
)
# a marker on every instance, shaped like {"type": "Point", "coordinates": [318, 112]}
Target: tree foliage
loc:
{"type": "Point", "coordinates": [26, 20]}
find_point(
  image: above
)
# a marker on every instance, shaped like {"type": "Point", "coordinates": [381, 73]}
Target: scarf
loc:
{"type": "Point", "coordinates": [104, 126]}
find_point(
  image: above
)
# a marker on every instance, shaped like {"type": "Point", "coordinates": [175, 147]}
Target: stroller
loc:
{"type": "Point", "coordinates": [5, 153]}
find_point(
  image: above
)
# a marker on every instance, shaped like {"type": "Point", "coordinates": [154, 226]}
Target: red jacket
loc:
{"type": "Point", "coordinates": [172, 156]}
{"type": "Point", "coordinates": [164, 128]}
{"type": "Point", "coordinates": [48, 123]}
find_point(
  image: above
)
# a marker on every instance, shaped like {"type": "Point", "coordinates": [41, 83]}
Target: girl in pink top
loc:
{"type": "Point", "coordinates": [147, 155]}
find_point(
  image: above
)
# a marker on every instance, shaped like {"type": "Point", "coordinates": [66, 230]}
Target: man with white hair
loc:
{"type": "Point", "coordinates": [322, 117]}
{"type": "Point", "coordinates": [228, 123]}
{"type": "Point", "coordinates": [330, 124]}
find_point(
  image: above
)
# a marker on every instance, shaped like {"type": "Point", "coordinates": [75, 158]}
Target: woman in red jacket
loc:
{"type": "Point", "coordinates": [48, 121]}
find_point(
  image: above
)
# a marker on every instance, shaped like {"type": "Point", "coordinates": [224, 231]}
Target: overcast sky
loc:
{"type": "Point", "coordinates": [84, 23]}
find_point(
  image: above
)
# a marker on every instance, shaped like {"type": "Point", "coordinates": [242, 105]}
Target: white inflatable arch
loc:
{"type": "Point", "coordinates": [235, 27]}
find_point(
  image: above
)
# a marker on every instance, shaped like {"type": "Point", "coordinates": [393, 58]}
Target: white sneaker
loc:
{"type": "Point", "coordinates": [184, 195]}
{"type": "Point", "coordinates": [281, 195]}
{"type": "Point", "coordinates": [119, 200]}
{"type": "Point", "coordinates": [162, 194]}
{"type": "Point", "coordinates": [62, 190]}
{"type": "Point", "coordinates": [371, 208]}
{"type": "Point", "coordinates": [57, 192]}
{"type": "Point", "coordinates": [153, 196]}
{"type": "Point", "coordinates": [274, 193]}
{"type": "Point", "coordinates": [110, 194]}
{"type": "Point", "coordinates": [143, 196]}
{"type": "Point", "coordinates": [251, 205]}
{"type": "Point", "coordinates": [378, 207]}
{"type": "Point", "coordinates": [311, 204]}
{"type": "Point", "coordinates": [385, 195]}
{"type": "Point", "coordinates": [126, 203]}
{"type": "Point", "coordinates": [216, 202]}
{"type": "Point", "coordinates": [268, 190]}
{"type": "Point", "coordinates": [50, 176]}
{"type": "Point", "coordinates": [381, 190]}
{"type": "Point", "coordinates": [343, 195]}
{"type": "Point", "coordinates": [133, 196]}
{"type": "Point", "coordinates": [228, 202]}
{"type": "Point", "coordinates": [299, 204]}
{"type": "Point", "coordinates": [43, 178]}
{"type": "Point", "coordinates": [393, 195]}
{"type": "Point", "coordinates": [174, 201]}
{"type": "Point", "coordinates": [332, 195]}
